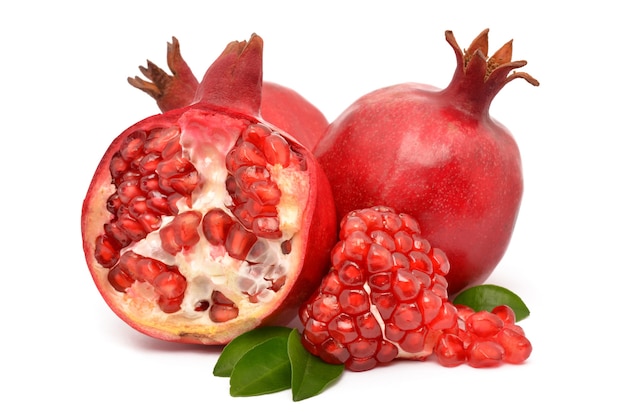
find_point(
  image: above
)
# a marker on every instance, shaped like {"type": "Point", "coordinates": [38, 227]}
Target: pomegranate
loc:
{"type": "Point", "coordinates": [385, 297]}
{"type": "Point", "coordinates": [437, 155]}
{"type": "Point", "coordinates": [205, 221]}
{"type": "Point", "coordinates": [280, 106]}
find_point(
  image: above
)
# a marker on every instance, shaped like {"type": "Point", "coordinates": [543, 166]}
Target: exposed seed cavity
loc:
{"type": "Point", "coordinates": [155, 180]}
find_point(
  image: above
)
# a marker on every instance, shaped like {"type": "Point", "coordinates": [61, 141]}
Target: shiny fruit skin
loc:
{"type": "Point", "coordinates": [438, 156]}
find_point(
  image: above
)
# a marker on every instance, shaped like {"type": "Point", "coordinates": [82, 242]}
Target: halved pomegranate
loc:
{"type": "Point", "coordinates": [280, 106]}
{"type": "Point", "coordinates": [206, 221]}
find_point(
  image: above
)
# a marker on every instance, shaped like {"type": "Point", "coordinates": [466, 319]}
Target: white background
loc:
{"type": "Point", "coordinates": [64, 97]}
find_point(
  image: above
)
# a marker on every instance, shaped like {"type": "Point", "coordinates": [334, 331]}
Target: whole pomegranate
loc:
{"type": "Point", "coordinates": [280, 106]}
{"type": "Point", "coordinates": [438, 156]}
{"type": "Point", "coordinates": [205, 221]}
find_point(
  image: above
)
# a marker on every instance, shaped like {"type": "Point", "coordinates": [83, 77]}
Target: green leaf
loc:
{"type": "Point", "coordinates": [264, 369]}
{"type": "Point", "coordinates": [487, 297]}
{"type": "Point", "coordinates": [309, 374]}
{"type": "Point", "coordinates": [244, 343]}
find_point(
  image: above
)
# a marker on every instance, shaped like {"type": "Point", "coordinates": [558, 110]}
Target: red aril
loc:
{"type": "Point", "coordinates": [385, 297]}
{"type": "Point", "coordinates": [438, 156]}
{"type": "Point", "coordinates": [206, 221]}
{"type": "Point", "coordinates": [280, 106]}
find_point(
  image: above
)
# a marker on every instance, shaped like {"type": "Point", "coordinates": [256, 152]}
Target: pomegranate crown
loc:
{"type": "Point", "coordinates": [233, 81]}
{"type": "Point", "coordinates": [482, 76]}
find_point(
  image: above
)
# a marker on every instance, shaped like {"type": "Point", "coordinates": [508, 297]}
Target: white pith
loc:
{"type": "Point", "coordinates": [206, 140]}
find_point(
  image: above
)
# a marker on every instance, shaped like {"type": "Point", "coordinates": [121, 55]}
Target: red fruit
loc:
{"type": "Point", "coordinates": [206, 221]}
{"type": "Point", "coordinates": [483, 339]}
{"type": "Point", "coordinates": [384, 297]}
{"type": "Point", "coordinates": [438, 156]}
{"type": "Point", "coordinates": [280, 106]}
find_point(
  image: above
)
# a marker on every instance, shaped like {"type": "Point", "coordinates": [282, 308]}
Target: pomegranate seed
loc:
{"type": "Point", "coordinates": [505, 313]}
{"type": "Point", "coordinates": [449, 350]}
{"type": "Point", "coordinates": [133, 145]}
{"type": "Point", "coordinates": [137, 206]}
{"type": "Point", "coordinates": [265, 192]}
{"type": "Point", "coordinates": [430, 305]}
{"type": "Point", "coordinates": [343, 328]}
{"type": "Point", "coordinates": [484, 324]}
{"type": "Point", "coordinates": [149, 163]}
{"type": "Point", "coordinates": [385, 304]}
{"type": "Point", "coordinates": [105, 252]}
{"type": "Point", "coordinates": [334, 352]}
{"type": "Point", "coordinates": [244, 154]}
{"type": "Point", "coordinates": [175, 166]}
{"type": "Point", "coordinates": [406, 286]}
{"type": "Point", "coordinates": [249, 174]}
{"type": "Point", "coordinates": [147, 269]}
{"type": "Point", "coordinates": [215, 226]}
{"type": "Point", "coordinates": [159, 138]}
{"type": "Point", "coordinates": [285, 247]}
{"type": "Point", "coordinates": [368, 326]}
{"type": "Point", "coordinates": [484, 354]}
{"type": "Point", "coordinates": [517, 347]}
{"type": "Point", "coordinates": [276, 150]}
{"type": "Point", "coordinates": [351, 224]}
{"type": "Point", "coordinates": [407, 316]}
{"type": "Point", "coordinates": [185, 184]}
{"type": "Point", "coordinates": [380, 282]}
{"type": "Point", "coordinates": [127, 190]}
{"type": "Point", "coordinates": [421, 261]}
{"type": "Point", "coordinates": [363, 348]}
{"type": "Point", "coordinates": [202, 305]}
{"type": "Point", "coordinates": [378, 259]}
{"type": "Point", "coordinates": [168, 240]}
{"type": "Point", "coordinates": [186, 225]}
{"type": "Point", "coordinates": [133, 229]}
{"type": "Point", "coordinates": [267, 227]}
{"type": "Point", "coordinates": [325, 308]}
{"type": "Point", "coordinates": [118, 166]}
{"type": "Point", "coordinates": [113, 203]}
{"type": "Point", "coordinates": [149, 183]}
{"type": "Point", "coordinates": [158, 203]}
{"type": "Point", "coordinates": [316, 332]}
{"type": "Point", "coordinates": [172, 149]}
{"type": "Point", "coordinates": [117, 236]}
{"type": "Point", "coordinates": [222, 309]}
{"type": "Point", "coordinates": [239, 241]}
{"type": "Point", "coordinates": [354, 301]}
{"type": "Point", "coordinates": [414, 341]}
{"type": "Point", "coordinates": [355, 247]}
{"type": "Point", "coordinates": [170, 284]}
{"type": "Point", "coordinates": [350, 275]}
{"type": "Point", "coordinates": [256, 134]}
{"type": "Point", "coordinates": [150, 222]}
{"type": "Point", "coordinates": [333, 285]}
{"type": "Point", "coordinates": [403, 241]}
{"type": "Point", "coordinates": [170, 305]}
{"type": "Point", "coordinates": [119, 280]}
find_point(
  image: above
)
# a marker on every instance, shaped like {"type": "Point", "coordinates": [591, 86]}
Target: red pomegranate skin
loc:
{"type": "Point", "coordinates": [437, 155]}
{"type": "Point", "coordinates": [226, 102]}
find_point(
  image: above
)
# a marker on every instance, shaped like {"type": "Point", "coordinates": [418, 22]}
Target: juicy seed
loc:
{"type": "Point", "coordinates": [239, 241]}
{"type": "Point", "coordinates": [450, 351]}
{"type": "Point", "coordinates": [385, 297]}
{"type": "Point", "coordinates": [222, 309]}
{"type": "Point", "coordinates": [215, 226]}
{"type": "Point", "coordinates": [276, 150]}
